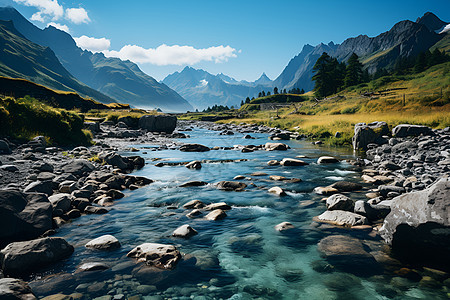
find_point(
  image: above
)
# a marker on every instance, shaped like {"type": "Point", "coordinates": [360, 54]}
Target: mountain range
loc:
{"type": "Point", "coordinates": [404, 40]}
{"type": "Point", "coordinates": [114, 79]}
{"type": "Point", "coordinates": [203, 89]}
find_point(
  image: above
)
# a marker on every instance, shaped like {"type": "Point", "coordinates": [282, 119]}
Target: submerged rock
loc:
{"type": "Point", "coordinates": [20, 258]}
{"type": "Point", "coordinates": [194, 148]}
{"type": "Point", "coordinates": [197, 165]}
{"type": "Point", "coordinates": [158, 255]}
{"type": "Point", "coordinates": [347, 253]}
{"type": "Point", "coordinates": [284, 226]}
{"type": "Point", "coordinates": [327, 160]}
{"type": "Point", "coordinates": [193, 183]}
{"type": "Point", "coordinates": [292, 162]}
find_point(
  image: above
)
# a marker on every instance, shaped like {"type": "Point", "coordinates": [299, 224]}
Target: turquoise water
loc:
{"type": "Point", "coordinates": [240, 257]}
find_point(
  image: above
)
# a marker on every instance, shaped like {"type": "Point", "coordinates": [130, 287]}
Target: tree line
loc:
{"type": "Point", "coordinates": [331, 76]}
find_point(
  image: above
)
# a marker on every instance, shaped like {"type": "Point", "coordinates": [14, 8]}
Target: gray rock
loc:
{"type": "Point", "coordinates": [23, 216]}
{"type": "Point", "coordinates": [93, 266]}
{"type": "Point", "coordinates": [341, 218]}
{"type": "Point", "coordinates": [277, 191]}
{"type": "Point", "coordinates": [219, 205]}
{"type": "Point", "coordinates": [9, 168]}
{"type": "Point", "coordinates": [158, 123]}
{"type": "Point", "coordinates": [158, 255]}
{"type": "Point", "coordinates": [197, 165]}
{"type": "Point", "coordinates": [4, 147]}
{"type": "Point", "coordinates": [384, 190]}
{"type": "Point", "coordinates": [61, 201]}
{"type": "Point", "coordinates": [15, 289]}
{"type": "Point", "coordinates": [284, 226]}
{"type": "Point", "coordinates": [114, 159]}
{"type": "Point", "coordinates": [45, 187]}
{"type": "Point", "coordinates": [368, 134]}
{"type": "Point", "coordinates": [78, 167]}
{"type": "Point", "coordinates": [194, 148]}
{"type": "Point", "coordinates": [327, 160]}
{"type": "Point", "coordinates": [404, 130]}
{"type": "Point", "coordinates": [372, 212]}
{"type": "Point", "coordinates": [20, 258]}
{"type": "Point", "coordinates": [347, 253]}
{"type": "Point", "coordinates": [292, 162]}
{"type": "Point", "coordinates": [95, 210]}
{"type": "Point", "coordinates": [184, 231]}
{"type": "Point", "coordinates": [215, 215]}
{"type": "Point", "coordinates": [419, 225]}
{"type": "Point", "coordinates": [194, 204]}
{"type": "Point", "coordinates": [276, 146]}
{"type": "Point", "coordinates": [339, 202]}
{"type": "Point", "coordinates": [194, 213]}
{"type": "Point", "coordinates": [104, 242]}
{"type": "Point", "coordinates": [346, 186]}
{"type": "Point", "coordinates": [231, 185]}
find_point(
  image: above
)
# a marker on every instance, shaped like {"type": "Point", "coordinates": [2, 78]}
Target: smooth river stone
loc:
{"type": "Point", "coordinates": [215, 215]}
{"type": "Point", "coordinates": [184, 231]}
{"type": "Point", "coordinates": [105, 242]}
{"type": "Point", "coordinates": [277, 191]}
{"type": "Point", "coordinates": [158, 255]}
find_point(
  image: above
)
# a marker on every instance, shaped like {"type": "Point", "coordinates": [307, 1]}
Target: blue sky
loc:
{"type": "Point", "coordinates": [239, 38]}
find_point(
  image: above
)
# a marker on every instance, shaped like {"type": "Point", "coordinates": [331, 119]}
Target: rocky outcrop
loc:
{"type": "Point", "coordinates": [158, 123]}
{"type": "Point", "coordinates": [23, 216]}
{"type": "Point", "coordinates": [158, 255]}
{"type": "Point", "coordinates": [15, 289]}
{"type": "Point", "coordinates": [404, 130]}
{"type": "Point", "coordinates": [371, 133]}
{"type": "Point", "coordinates": [419, 224]}
{"type": "Point", "coordinates": [20, 258]}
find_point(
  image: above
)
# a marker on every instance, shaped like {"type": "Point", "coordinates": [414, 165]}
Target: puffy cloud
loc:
{"type": "Point", "coordinates": [93, 44]}
{"type": "Point", "coordinates": [165, 55]}
{"type": "Point", "coordinates": [77, 15]}
{"type": "Point", "coordinates": [50, 8]}
{"type": "Point", "coordinates": [59, 26]}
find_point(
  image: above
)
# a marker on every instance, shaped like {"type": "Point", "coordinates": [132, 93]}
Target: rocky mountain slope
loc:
{"type": "Point", "coordinates": [405, 39]}
{"type": "Point", "coordinates": [20, 58]}
{"type": "Point", "coordinates": [121, 80]}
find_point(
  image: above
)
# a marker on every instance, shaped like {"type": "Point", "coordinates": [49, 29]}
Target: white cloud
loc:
{"type": "Point", "coordinates": [59, 26]}
{"type": "Point", "coordinates": [93, 44]}
{"type": "Point", "coordinates": [50, 8]}
{"type": "Point", "coordinates": [173, 55]}
{"type": "Point", "coordinates": [77, 15]}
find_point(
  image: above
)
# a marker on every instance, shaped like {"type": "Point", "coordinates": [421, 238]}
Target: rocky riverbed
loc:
{"type": "Point", "coordinates": [248, 211]}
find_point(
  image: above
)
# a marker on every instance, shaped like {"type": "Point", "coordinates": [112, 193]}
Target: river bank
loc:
{"type": "Point", "coordinates": [269, 196]}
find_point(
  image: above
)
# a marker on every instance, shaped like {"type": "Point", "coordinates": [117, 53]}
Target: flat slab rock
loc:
{"type": "Point", "coordinates": [104, 242]}
{"type": "Point", "coordinates": [341, 218]}
{"type": "Point", "coordinates": [158, 255]}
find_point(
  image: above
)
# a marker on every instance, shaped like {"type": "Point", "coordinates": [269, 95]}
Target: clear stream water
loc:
{"type": "Point", "coordinates": [240, 257]}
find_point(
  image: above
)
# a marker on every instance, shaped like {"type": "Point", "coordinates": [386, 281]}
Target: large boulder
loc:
{"type": "Point", "coordinates": [404, 130]}
{"type": "Point", "coordinates": [114, 159]}
{"type": "Point", "coordinates": [366, 134]}
{"type": "Point", "coordinates": [20, 258]}
{"type": "Point", "coordinates": [159, 123]}
{"type": "Point", "coordinates": [23, 216]}
{"type": "Point", "coordinates": [348, 254]}
{"type": "Point", "coordinates": [45, 187]}
{"type": "Point", "coordinates": [15, 289]}
{"type": "Point", "coordinates": [158, 255]}
{"type": "Point", "coordinates": [418, 225]}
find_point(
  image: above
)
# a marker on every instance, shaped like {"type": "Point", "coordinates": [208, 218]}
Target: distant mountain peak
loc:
{"type": "Point", "coordinates": [432, 22]}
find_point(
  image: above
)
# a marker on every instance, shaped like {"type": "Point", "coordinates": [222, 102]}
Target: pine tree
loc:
{"type": "Point", "coordinates": [242, 102]}
{"type": "Point", "coordinates": [326, 75]}
{"type": "Point", "coordinates": [421, 63]}
{"type": "Point", "coordinates": [353, 71]}
{"type": "Point", "coordinates": [275, 90]}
